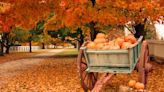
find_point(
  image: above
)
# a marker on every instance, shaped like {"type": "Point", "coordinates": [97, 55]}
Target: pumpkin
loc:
{"type": "Point", "coordinates": [131, 83]}
{"type": "Point", "coordinates": [111, 42]}
{"type": "Point", "coordinates": [114, 46]}
{"type": "Point", "coordinates": [130, 38]}
{"type": "Point", "coordinates": [139, 86]}
{"type": "Point", "coordinates": [100, 35]}
{"type": "Point", "coordinates": [106, 47]}
{"type": "Point", "coordinates": [100, 40]}
{"type": "Point", "coordinates": [125, 45]}
{"type": "Point", "coordinates": [119, 41]}
{"type": "Point", "coordinates": [91, 45]}
{"type": "Point", "coordinates": [100, 45]}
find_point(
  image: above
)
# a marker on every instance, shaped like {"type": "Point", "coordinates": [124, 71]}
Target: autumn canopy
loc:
{"type": "Point", "coordinates": [77, 13]}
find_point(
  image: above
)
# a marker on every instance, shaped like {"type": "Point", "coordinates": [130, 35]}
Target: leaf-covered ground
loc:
{"type": "Point", "coordinates": [59, 74]}
{"type": "Point", "coordinates": [16, 56]}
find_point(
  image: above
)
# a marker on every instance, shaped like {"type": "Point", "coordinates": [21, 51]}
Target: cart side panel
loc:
{"type": "Point", "coordinates": [110, 60]}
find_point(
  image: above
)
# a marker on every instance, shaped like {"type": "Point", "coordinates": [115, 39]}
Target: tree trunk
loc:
{"type": "Point", "coordinates": [30, 43]}
{"type": "Point", "coordinates": [140, 31]}
{"type": "Point", "coordinates": [7, 49]}
{"type": "Point", "coordinates": [6, 42]}
{"type": "Point", "coordinates": [81, 39]}
{"type": "Point", "coordinates": [43, 46]}
{"type": "Point", "coordinates": [1, 52]}
{"type": "Point", "coordinates": [2, 45]}
{"type": "Point", "coordinates": [93, 2]}
{"type": "Point", "coordinates": [93, 32]}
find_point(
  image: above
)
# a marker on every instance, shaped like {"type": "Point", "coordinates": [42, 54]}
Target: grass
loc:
{"type": "Point", "coordinates": [68, 52]}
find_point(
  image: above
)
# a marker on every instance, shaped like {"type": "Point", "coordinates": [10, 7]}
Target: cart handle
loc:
{"type": "Point", "coordinates": [138, 41]}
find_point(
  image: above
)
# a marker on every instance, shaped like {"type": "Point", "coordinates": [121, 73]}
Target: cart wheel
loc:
{"type": "Point", "coordinates": [88, 79]}
{"type": "Point", "coordinates": [143, 63]}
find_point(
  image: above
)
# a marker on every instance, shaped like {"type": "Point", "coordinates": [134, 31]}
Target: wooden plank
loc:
{"type": "Point", "coordinates": [155, 41]}
{"type": "Point", "coordinates": [121, 51]}
{"type": "Point", "coordinates": [108, 59]}
{"type": "Point", "coordinates": [111, 65]}
{"type": "Point", "coordinates": [109, 70]}
{"type": "Point", "coordinates": [131, 57]}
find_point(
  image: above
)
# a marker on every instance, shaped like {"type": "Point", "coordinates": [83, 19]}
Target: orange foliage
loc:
{"type": "Point", "coordinates": [76, 13]}
{"type": "Point", "coordinates": [26, 13]}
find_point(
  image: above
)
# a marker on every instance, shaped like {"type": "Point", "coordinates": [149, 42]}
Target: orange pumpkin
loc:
{"type": "Point", "coordinates": [99, 46]}
{"type": "Point", "coordinates": [114, 47]}
{"type": "Point", "coordinates": [119, 41]}
{"type": "Point", "coordinates": [100, 40]}
{"type": "Point", "coordinates": [130, 38]}
{"type": "Point", "coordinates": [131, 83]}
{"type": "Point", "coordinates": [111, 42]}
{"type": "Point", "coordinates": [100, 35]}
{"type": "Point", "coordinates": [139, 86]}
{"type": "Point", "coordinates": [91, 45]}
{"type": "Point", "coordinates": [106, 47]}
{"type": "Point", "coordinates": [125, 45]}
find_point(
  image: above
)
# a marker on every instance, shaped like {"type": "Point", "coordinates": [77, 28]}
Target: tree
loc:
{"type": "Point", "coordinates": [19, 35]}
{"type": "Point", "coordinates": [37, 34]}
{"type": "Point", "coordinates": [66, 35]}
{"type": "Point", "coordinates": [26, 13]}
{"type": "Point", "coordinates": [99, 13]}
{"type": "Point", "coordinates": [16, 35]}
{"type": "Point", "coordinates": [6, 24]}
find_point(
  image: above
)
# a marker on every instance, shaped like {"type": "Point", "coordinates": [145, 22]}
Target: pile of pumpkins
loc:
{"type": "Point", "coordinates": [133, 86]}
{"type": "Point", "coordinates": [102, 42]}
{"type": "Point", "coordinates": [136, 85]}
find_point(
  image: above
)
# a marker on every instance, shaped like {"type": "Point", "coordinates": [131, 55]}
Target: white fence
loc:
{"type": "Point", "coordinates": [24, 48]}
{"type": "Point", "coordinates": [34, 48]}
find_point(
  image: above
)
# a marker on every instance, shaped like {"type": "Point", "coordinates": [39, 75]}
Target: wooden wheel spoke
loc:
{"type": "Point", "coordinates": [93, 80]}
{"type": "Point", "coordinates": [94, 76]}
{"type": "Point", "coordinates": [146, 59]}
{"type": "Point", "coordinates": [84, 75]}
{"type": "Point", "coordinates": [146, 53]}
{"type": "Point", "coordinates": [83, 66]}
{"type": "Point", "coordinates": [88, 81]}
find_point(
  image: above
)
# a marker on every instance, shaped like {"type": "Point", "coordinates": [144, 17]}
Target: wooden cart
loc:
{"type": "Point", "coordinates": [91, 62]}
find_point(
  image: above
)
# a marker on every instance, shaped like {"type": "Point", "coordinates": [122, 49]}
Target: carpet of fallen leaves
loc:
{"type": "Point", "coordinates": [59, 74]}
{"type": "Point", "coordinates": [16, 56]}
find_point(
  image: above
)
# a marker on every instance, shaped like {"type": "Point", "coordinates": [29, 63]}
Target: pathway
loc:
{"type": "Point", "coordinates": [39, 74]}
